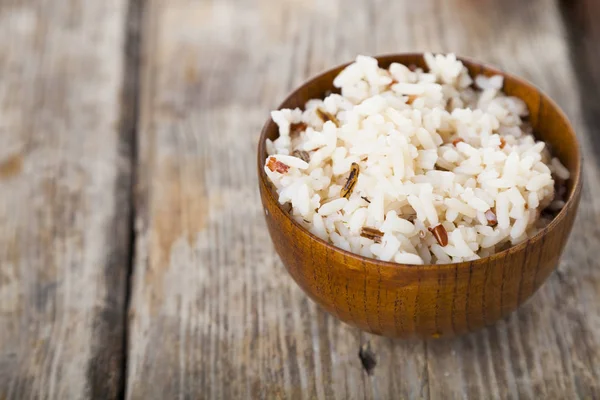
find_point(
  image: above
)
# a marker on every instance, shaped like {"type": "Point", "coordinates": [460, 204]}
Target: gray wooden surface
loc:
{"type": "Point", "coordinates": [64, 201]}
{"type": "Point", "coordinates": [98, 146]}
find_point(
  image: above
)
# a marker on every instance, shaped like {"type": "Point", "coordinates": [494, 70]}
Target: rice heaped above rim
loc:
{"type": "Point", "coordinates": [414, 166]}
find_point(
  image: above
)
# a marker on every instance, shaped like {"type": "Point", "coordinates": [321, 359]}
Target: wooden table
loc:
{"type": "Point", "coordinates": [134, 259]}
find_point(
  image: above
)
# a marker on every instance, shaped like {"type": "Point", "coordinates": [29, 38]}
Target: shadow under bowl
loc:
{"type": "Point", "coordinates": [398, 300]}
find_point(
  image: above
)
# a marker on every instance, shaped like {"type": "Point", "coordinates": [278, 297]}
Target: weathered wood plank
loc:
{"type": "Point", "coordinates": [213, 313]}
{"type": "Point", "coordinates": [581, 18]}
{"type": "Point", "coordinates": [65, 202]}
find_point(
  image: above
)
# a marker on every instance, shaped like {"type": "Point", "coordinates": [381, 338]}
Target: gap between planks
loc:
{"type": "Point", "coordinates": [128, 135]}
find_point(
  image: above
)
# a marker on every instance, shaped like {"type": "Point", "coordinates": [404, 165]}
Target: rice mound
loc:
{"type": "Point", "coordinates": [414, 166]}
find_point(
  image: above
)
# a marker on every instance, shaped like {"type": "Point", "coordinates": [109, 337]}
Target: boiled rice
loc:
{"type": "Point", "coordinates": [432, 149]}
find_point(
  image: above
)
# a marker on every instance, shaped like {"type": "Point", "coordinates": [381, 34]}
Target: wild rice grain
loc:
{"type": "Point", "coordinates": [301, 154]}
{"type": "Point", "coordinates": [351, 182]}
{"type": "Point", "coordinates": [440, 234]}
{"type": "Point", "coordinates": [297, 128]}
{"type": "Point", "coordinates": [325, 116]}
{"type": "Point", "coordinates": [502, 142]}
{"type": "Point", "coordinates": [277, 166]}
{"type": "Point", "coordinates": [371, 234]}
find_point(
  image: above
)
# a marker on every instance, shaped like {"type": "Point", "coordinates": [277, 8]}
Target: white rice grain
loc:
{"type": "Point", "coordinates": [332, 207]}
{"type": "Point", "coordinates": [291, 161]}
{"type": "Point", "coordinates": [502, 210]}
{"type": "Point", "coordinates": [519, 226]}
{"type": "Point", "coordinates": [539, 181]}
{"type": "Point", "coordinates": [559, 169]}
{"type": "Point", "coordinates": [408, 258]}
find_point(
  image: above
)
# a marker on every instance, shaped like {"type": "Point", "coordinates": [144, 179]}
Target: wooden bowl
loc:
{"type": "Point", "coordinates": [428, 300]}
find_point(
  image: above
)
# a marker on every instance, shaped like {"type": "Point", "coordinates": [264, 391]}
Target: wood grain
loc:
{"type": "Point", "coordinates": [64, 203]}
{"type": "Point", "coordinates": [213, 313]}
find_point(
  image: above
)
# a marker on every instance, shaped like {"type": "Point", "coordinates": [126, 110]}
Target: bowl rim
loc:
{"type": "Point", "coordinates": [393, 57]}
